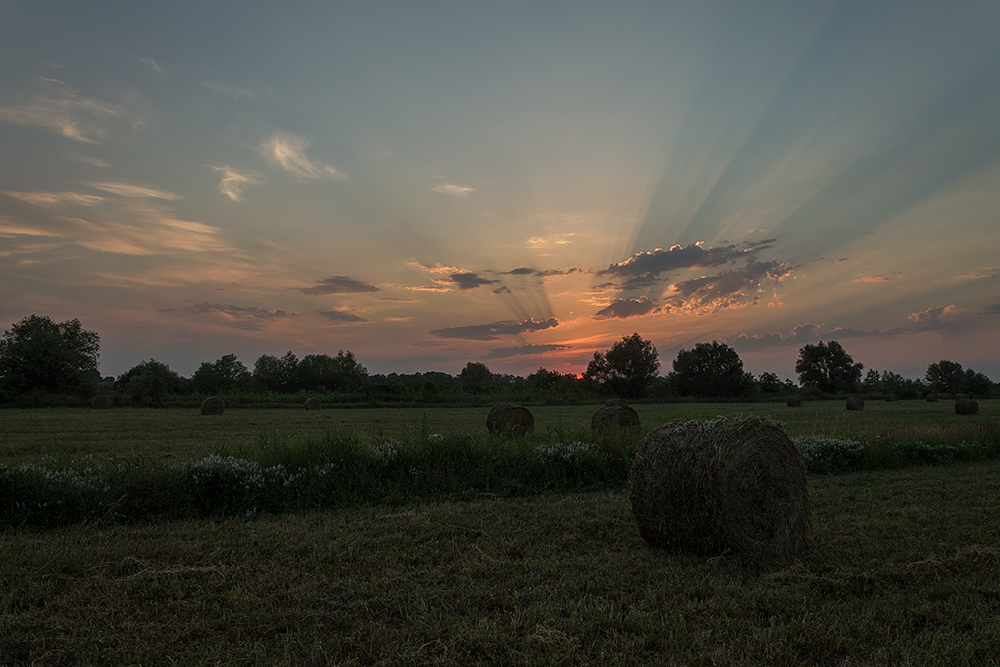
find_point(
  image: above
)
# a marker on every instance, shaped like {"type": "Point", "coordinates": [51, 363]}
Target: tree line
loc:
{"type": "Point", "coordinates": [41, 358]}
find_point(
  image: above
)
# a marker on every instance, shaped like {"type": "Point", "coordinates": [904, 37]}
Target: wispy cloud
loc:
{"type": "Point", "coordinates": [240, 317]}
{"type": "Point", "coordinates": [454, 190]}
{"type": "Point", "coordinates": [233, 182]}
{"type": "Point", "coordinates": [152, 64]}
{"type": "Point", "coordinates": [288, 150]}
{"type": "Point", "coordinates": [884, 278]}
{"type": "Point", "coordinates": [524, 351]}
{"type": "Point", "coordinates": [554, 239]}
{"type": "Point", "coordinates": [624, 309]}
{"type": "Point", "coordinates": [57, 107]}
{"type": "Point", "coordinates": [338, 285]}
{"type": "Point", "coordinates": [730, 289]}
{"type": "Point", "coordinates": [494, 330]}
{"type": "Point", "coordinates": [338, 317]}
{"type": "Point", "coordinates": [136, 191]}
{"type": "Point", "coordinates": [55, 199]}
{"type": "Point", "coordinates": [468, 280]}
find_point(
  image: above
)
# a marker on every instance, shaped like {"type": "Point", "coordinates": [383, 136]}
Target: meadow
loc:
{"type": "Point", "coordinates": [904, 566]}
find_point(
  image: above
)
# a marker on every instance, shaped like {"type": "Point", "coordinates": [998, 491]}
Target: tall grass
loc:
{"type": "Point", "coordinates": [343, 468]}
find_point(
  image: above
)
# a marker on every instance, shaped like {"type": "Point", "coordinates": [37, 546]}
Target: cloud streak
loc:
{"type": "Point", "coordinates": [494, 330]}
{"type": "Point", "coordinates": [288, 151]}
{"type": "Point", "coordinates": [57, 107]}
{"type": "Point", "coordinates": [233, 182]}
{"type": "Point", "coordinates": [338, 285]}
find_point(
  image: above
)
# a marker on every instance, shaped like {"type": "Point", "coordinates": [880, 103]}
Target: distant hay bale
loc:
{"type": "Point", "coordinates": [966, 406]}
{"type": "Point", "coordinates": [931, 398]}
{"type": "Point", "coordinates": [794, 402]}
{"type": "Point", "coordinates": [725, 486]}
{"type": "Point", "coordinates": [615, 401]}
{"type": "Point", "coordinates": [313, 403]}
{"type": "Point", "coordinates": [100, 402]}
{"type": "Point", "coordinates": [891, 398]}
{"type": "Point", "coordinates": [510, 420]}
{"type": "Point", "coordinates": [615, 418]}
{"type": "Point", "coordinates": [213, 405]}
{"type": "Point", "coordinates": [855, 403]}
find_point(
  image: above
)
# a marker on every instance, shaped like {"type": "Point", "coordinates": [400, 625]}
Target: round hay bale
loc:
{"type": "Point", "coordinates": [313, 403]}
{"type": "Point", "coordinates": [966, 406]}
{"type": "Point", "coordinates": [100, 402]}
{"type": "Point", "coordinates": [213, 405]}
{"type": "Point", "coordinates": [510, 420]}
{"type": "Point", "coordinates": [931, 398]}
{"type": "Point", "coordinates": [855, 403]}
{"type": "Point", "coordinates": [615, 418]}
{"type": "Point", "coordinates": [794, 402]}
{"type": "Point", "coordinates": [615, 401]}
{"type": "Point", "coordinates": [891, 398]}
{"type": "Point", "coordinates": [725, 486]}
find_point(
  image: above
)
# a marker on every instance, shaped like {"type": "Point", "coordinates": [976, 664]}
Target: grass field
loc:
{"type": "Point", "coordinates": [904, 567]}
{"type": "Point", "coordinates": [30, 435]}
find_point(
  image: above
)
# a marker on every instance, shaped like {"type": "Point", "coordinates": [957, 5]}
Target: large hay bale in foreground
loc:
{"type": "Point", "coordinates": [725, 486]}
{"type": "Point", "coordinates": [511, 420]}
{"type": "Point", "coordinates": [313, 403]}
{"type": "Point", "coordinates": [966, 406]}
{"type": "Point", "coordinates": [794, 402]}
{"type": "Point", "coordinates": [615, 418]}
{"type": "Point", "coordinates": [855, 403]}
{"type": "Point", "coordinates": [213, 405]}
{"type": "Point", "coordinates": [100, 402]}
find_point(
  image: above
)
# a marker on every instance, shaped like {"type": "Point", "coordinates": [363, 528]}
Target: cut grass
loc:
{"type": "Point", "coordinates": [904, 570]}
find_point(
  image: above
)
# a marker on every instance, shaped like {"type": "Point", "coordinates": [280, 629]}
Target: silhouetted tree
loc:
{"type": "Point", "coordinates": [318, 372]}
{"type": "Point", "coordinates": [710, 370]}
{"type": "Point", "coordinates": [37, 354]}
{"type": "Point", "coordinates": [148, 383]}
{"type": "Point", "coordinates": [273, 374]}
{"type": "Point", "coordinates": [947, 377]}
{"type": "Point", "coordinates": [627, 369]}
{"type": "Point", "coordinates": [828, 367]}
{"type": "Point", "coordinates": [476, 378]}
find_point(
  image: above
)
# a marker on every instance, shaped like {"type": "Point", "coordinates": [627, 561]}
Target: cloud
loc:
{"type": "Point", "coordinates": [494, 330]}
{"type": "Point", "coordinates": [659, 261]}
{"type": "Point", "coordinates": [524, 351]}
{"type": "Point", "coordinates": [56, 107]}
{"type": "Point", "coordinates": [624, 309]}
{"type": "Point", "coordinates": [938, 315]}
{"type": "Point", "coordinates": [454, 190]}
{"type": "Point", "coordinates": [55, 199]}
{"type": "Point", "coordinates": [288, 150]}
{"type": "Point", "coordinates": [135, 191]}
{"type": "Point", "coordinates": [884, 278]}
{"type": "Point", "coordinates": [241, 317]}
{"type": "Point", "coordinates": [234, 182]}
{"type": "Point", "coordinates": [551, 273]}
{"type": "Point", "coordinates": [338, 285]}
{"type": "Point", "coordinates": [468, 280]}
{"type": "Point", "coordinates": [730, 289]}
{"type": "Point", "coordinates": [152, 64]}
{"type": "Point", "coordinates": [992, 309]}
{"type": "Point", "coordinates": [555, 239]}
{"type": "Point", "coordinates": [339, 317]}
{"type": "Point", "coordinates": [800, 335]}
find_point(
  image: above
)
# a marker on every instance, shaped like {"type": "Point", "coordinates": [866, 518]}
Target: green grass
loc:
{"type": "Point", "coordinates": [27, 436]}
{"type": "Point", "coordinates": [904, 570]}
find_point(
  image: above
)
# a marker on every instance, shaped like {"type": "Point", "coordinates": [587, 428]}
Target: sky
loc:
{"type": "Point", "coordinates": [519, 184]}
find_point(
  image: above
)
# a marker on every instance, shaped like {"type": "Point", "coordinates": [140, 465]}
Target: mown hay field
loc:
{"type": "Point", "coordinates": [27, 436]}
{"type": "Point", "coordinates": [903, 567]}
{"type": "Point", "coordinates": [904, 570]}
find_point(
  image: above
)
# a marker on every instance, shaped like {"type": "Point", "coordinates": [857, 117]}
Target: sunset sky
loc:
{"type": "Point", "coordinates": [519, 184]}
